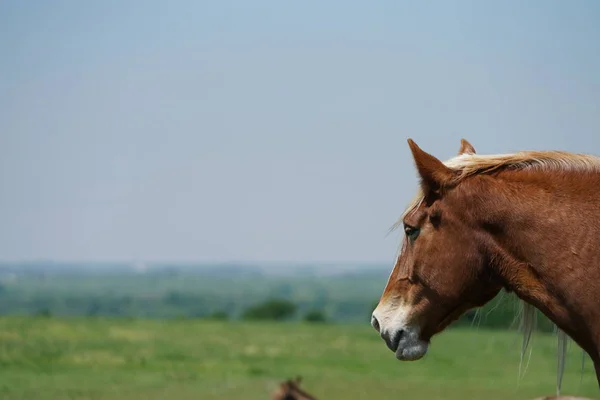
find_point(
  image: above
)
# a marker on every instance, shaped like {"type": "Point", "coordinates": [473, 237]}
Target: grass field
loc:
{"type": "Point", "coordinates": [51, 358]}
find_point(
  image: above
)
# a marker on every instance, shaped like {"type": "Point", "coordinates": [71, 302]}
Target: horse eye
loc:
{"type": "Point", "coordinates": [411, 232]}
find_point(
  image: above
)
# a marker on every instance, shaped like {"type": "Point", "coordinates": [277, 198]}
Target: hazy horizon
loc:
{"type": "Point", "coordinates": [267, 131]}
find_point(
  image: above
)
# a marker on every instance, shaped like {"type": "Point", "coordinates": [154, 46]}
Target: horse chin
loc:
{"type": "Point", "coordinates": [412, 351]}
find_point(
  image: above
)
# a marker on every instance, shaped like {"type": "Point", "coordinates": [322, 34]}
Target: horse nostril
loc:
{"type": "Point", "coordinates": [375, 323]}
{"type": "Point", "coordinates": [393, 340]}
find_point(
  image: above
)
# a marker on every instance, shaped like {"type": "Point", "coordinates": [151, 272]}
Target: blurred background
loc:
{"type": "Point", "coordinates": [195, 196]}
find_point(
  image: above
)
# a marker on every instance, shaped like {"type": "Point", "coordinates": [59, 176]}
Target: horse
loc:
{"type": "Point", "coordinates": [526, 222]}
{"type": "Point", "coordinates": [290, 390]}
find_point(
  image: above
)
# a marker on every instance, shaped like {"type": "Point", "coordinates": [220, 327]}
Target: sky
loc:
{"type": "Point", "coordinates": [264, 131]}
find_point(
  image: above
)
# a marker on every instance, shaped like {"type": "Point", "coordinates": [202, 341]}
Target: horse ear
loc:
{"type": "Point", "coordinates": [466, 148]}
{"type": "Point", "coordinates": [298, 379]}
{"type": "Point", "coordinates": [434, 174]}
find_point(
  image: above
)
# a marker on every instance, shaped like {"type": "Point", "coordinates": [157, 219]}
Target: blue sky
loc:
{"type": "Point", "coordinates": [267, 130]}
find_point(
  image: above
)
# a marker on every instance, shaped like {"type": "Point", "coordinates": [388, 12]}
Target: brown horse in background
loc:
{"type": "Point", "coordinates": [290, 390]}
{"type": "Point", "coordinates": [527, 222]}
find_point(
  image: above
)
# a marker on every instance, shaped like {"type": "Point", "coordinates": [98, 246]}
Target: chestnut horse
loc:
{"type": "Point", "coordinates": [290, 390]}
{"type": "Point", "coordinates": [527, 222]}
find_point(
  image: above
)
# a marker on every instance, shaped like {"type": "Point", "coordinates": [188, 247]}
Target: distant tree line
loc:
{"type": "Point", "coordinates": [284, 301]}
{"type": "Point", "coordinates": [281, 310]}
{"type": "Point", "coordinates": [493, 316]}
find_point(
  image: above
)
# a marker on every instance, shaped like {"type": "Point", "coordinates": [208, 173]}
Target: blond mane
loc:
{"type": "Point", "coordinates": [469, 164]}
{"type": "Point", "coordinates": [466, 165]}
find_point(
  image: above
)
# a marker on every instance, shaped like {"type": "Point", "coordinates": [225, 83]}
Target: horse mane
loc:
{"type": "Point", "coordinates": [469, 164]}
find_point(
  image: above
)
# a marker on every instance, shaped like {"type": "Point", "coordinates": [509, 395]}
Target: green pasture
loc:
{"type": "Point", "coordinates": [87, 358]}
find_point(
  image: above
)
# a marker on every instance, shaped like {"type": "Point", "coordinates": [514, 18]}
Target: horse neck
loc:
{"type": "Point", "coordinates": [544, 240]}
